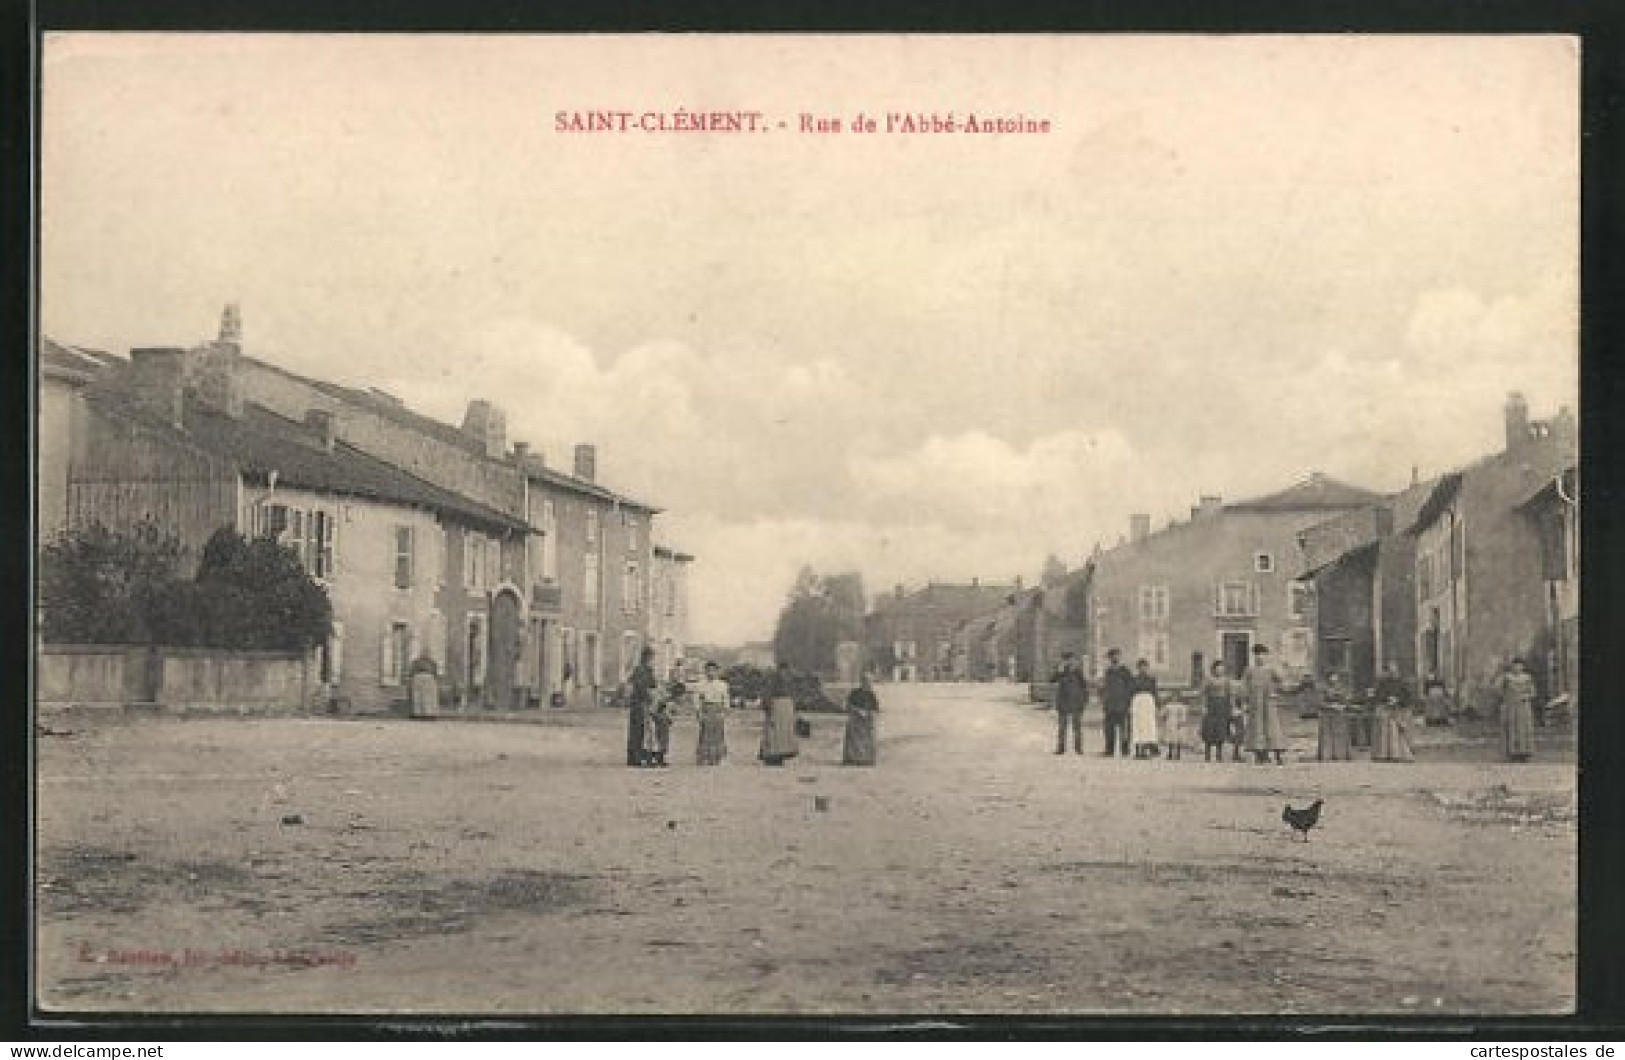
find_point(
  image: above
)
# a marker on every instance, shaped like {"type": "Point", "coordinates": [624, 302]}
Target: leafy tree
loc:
{"type": "Point", "coordinates": [820, 613]}
{"type": "Point", "coordinates": [98, 586]}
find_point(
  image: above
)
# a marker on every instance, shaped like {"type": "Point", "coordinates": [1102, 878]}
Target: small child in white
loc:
{"type": "Point", "coordinates": [1172, 724]}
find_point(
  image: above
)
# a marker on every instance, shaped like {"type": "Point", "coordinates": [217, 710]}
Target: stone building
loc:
{"type": "Point", "coordinates": [1362, 568]}
{"type": "Point", "coordinates": [1482, 591]}
{"type": "Point", "coordinates": [910, 636]}
{"type": "Point", "coordinates": [157, 444]}
{"type": "Point", "coordinates": [668, 606]}
{"type": "Point", "coordinates": [1215, 585]}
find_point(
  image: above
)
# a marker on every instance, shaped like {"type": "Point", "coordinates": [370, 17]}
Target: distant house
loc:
{"type": "Point", "coordinates": [911, 636]}
{"type": "Point", "coordinates": [187, 452]}
{"type": "Point", "coordinates": [668, 606]}
{"type": "Point", "coordinates": [1483, 594]}
{"type": "Point", "coordinates": [1212, 587]}
{"type": "Point", "coordinates": [1362, 567]}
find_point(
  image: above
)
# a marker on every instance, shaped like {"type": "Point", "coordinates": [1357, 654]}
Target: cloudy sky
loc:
{"type": "Point", "coordinates": [1231, 262]}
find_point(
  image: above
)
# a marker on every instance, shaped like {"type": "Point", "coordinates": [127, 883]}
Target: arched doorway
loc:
{"type": "Point", "coordinates": [507, 644]}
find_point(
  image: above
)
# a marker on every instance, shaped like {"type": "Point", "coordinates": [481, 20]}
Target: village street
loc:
{"type": "Point", "coordinates": [373, 865]}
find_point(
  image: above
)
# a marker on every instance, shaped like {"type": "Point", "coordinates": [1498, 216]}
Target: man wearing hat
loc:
{"type": "Point", "coordinates": [1071, 695]}
{"type": "Point", "coordinates": [1260, 683]}
{"type": "Point", "coordinates": [1116, 690]}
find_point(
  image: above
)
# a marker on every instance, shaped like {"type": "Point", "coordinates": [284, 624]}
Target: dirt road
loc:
{"type": "Point", "coordinates": [316, 865]}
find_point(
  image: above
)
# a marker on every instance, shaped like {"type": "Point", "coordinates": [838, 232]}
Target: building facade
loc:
{"type": "Point", "coordinates": [1482, 593]}
{"type": "Point", "coordinates": [1214, 586]}
{"type": "Point", "coordinates": [911, 636]}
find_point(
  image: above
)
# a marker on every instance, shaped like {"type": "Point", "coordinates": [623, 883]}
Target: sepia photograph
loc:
{"type": "Point", "coordinates": [1027, 525]}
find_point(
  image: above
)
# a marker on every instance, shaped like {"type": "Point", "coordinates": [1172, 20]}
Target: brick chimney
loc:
{"type": "Point", "coordinates": [487, 425]}
{"type": "Point", "coordinates": [322, 424]}
{"type": "Point", "coordinates": [586, 467]}
{"type": "Point", "coordinates": [1517, 420]}
{"type": "Point", "coordinates": [158, 381]}
{"type": "Point", "coordinates": [1139, 526]}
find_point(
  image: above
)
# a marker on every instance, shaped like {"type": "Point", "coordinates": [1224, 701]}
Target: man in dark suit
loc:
{"type": "Point", "coordinates": [1116, 690]}
{"type": "Point", "coordinates": [1071, 696]}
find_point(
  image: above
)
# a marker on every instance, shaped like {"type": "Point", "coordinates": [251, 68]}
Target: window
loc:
{"type": "Point", "coordinates": [550, 541]}
{"type": "Point", "coordinates": [1300, 599]}
{"type": "Point", "coordinates": [476, 563]}
{"type": "Point", "coordinates": [308, 533]}
{"type": "Point", "coordinates": [589, 587]}
{"type": "Point", "coordinates": [592, 526]}
{"type": "Point", "coordinates": [1235, 600]}
{"type": "Point", "coordinates": [403, 557]}
{"type": "Point", "coordinates": [1263, 563]}
{"type": "Point", "coordinates": [631, 523]}
{"type": "Point", "coordinates": [1295, 648]}
{"type": "Point", "coordinates": [629, 652]}
{"type": "Point", "coordinates": [322, 557]}
{"type": "Point", "coordinates": [1154, 646]}
{"type": "Point", "coordinates": [1424, 576]}
{"type": "Point", "coordinates": [1153, 603]}
{"type": "Point", "coordinates": [396, 653]}
{"type": "Point", "coordinates": [333, 656]}
{"type": "Point", "coordinates": [630, 587]}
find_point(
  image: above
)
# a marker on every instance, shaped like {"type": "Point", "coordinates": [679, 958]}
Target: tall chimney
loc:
{"type": "Point", "coordinates": [487, 426]}
{"type": "Point", "coordinates": [1139, 526]}
{"type": "Point", "coordinates": [231, 326]}
{"type": "Point", "coordinates": [158, 381]}
{"type": "Point", "coordinates": [1517, 420]}
{"type": "Point", "coordinates": [321, 423]}
{"type": "Point", "coordinates": [587, 462]}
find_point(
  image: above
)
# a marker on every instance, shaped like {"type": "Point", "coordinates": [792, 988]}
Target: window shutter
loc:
{"type": "Point", "coordinates": [386, 658]}
{"type": "Point", "coordinates": [1252, 598]}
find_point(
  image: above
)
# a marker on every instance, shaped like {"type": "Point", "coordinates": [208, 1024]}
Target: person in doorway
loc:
{"type": "Point", "coordinates": [1260, 684]}
{"type": "Point", "coordinates": [779, 742]}
{"type": "Point", "coordinates": [1435, 703]}
{"type": "Point", "coordinates": [1218, 708]}
{"type": "Point", "coordinates": [640, 698]}
{"type": "Point", "coordinates": [1142, 722]}
{"type": "Point", "coordinates": [711, 696]}
{"type": "Point", "coordinates": [1116, 689]}
{"type": "Point", "coordinates": [1071, 696]}
{"type": "Point", "coordinates": [1517, 692]}
{"type": "Point", "coordinates": [862, 707]}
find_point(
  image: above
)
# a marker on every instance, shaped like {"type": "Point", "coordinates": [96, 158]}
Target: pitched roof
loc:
{"type": "Point", "coordinates": [1443, 493]}
{"type": "Point", "coordinates": [394, 409]}
{"type": "Point", "coordinates": [1316, 493]}
{"type": "Point", "coordinates": [261, 442]}
{"type": "Point", "coordinates": [57, 361]}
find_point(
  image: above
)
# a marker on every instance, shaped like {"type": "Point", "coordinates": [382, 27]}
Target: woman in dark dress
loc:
{"type": "Point", "coordinates": [1218, 704]}
{"type": "Point", "coordinates": [640, 697]}
{"type": "Point", "coordinates": [861, 708]}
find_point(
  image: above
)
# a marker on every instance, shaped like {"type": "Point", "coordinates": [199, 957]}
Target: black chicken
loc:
{"type": "Point", "coordinates": [1304, 819]}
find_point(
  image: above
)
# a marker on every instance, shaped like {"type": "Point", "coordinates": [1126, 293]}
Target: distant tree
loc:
{"type": "Point", "coordinates": [813, 623]}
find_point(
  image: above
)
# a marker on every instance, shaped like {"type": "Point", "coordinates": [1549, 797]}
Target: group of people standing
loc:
{"type": "Point", "coordinates": [1141, 721]}
{"type": "Point", "coordinates": [652, 706]}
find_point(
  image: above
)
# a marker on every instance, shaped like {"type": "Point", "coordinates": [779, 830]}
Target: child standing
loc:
{"type": "Point", "coordinates": [1173, 727]}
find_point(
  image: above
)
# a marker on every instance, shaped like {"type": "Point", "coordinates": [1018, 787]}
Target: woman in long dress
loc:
{"type": "Point", "coordinates": [640, 696]}
{"type": "Point", "coordinates": [858, 749]}
{"type": "Point", "coordinates": [711, 697]}
{"type": "Point", "coordinates": [1142, 711]}
{"type": "Point", "coordinates": [779, 725]}
{"type": "Point", "coordinates": [1333, 743]}
{"type": "Point", "coordinates": [1390, 733]}
{"type": "Point", "coordinates": [1218, 704]}
{"type": "Point", "coordinates": [1518, 713]}
{"type": "Point", "coordinates": [1265, 736]}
